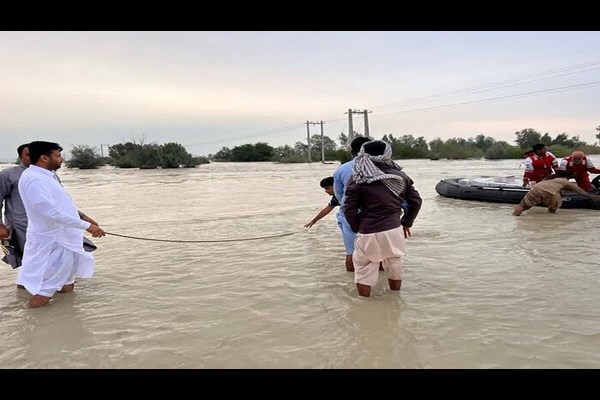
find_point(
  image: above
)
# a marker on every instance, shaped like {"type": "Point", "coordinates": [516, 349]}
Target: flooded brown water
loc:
{"type": "Point", "coordinates": [482, 289]}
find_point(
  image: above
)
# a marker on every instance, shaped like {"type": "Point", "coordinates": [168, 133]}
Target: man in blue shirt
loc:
{"type": "Point", "coordinates": [340, 178]}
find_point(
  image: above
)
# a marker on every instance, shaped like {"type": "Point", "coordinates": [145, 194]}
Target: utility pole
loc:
{"type": "Point", "coordinates": [366, 122]}
{"type": "Point", "coordinates": [350, 127]}
{"type": "Point", "coordinates": [102, 149]}
{"type": "Point", "coordinates": [308, 138]}
{"type": "Point", "coordinates": [308, 123]}
{"type": "Point", "coordinates": [322, 145]}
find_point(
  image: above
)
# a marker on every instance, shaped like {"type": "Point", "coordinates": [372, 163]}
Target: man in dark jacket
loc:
{"type": "Point", "coordinates": [373, 208]}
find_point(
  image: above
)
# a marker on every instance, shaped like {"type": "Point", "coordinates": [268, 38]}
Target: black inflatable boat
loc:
{"type": "Point", "coordinates": [504, 192]}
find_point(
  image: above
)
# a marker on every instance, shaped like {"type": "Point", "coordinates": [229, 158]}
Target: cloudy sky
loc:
{"type": "Point", "coordinates": [207, 90]}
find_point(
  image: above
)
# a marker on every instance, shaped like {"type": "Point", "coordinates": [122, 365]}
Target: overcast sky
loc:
{"type": "Point", "coordinates": [207, 90]}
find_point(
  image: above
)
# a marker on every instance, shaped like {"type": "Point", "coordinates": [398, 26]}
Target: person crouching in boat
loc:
{"type": "Point", "coordinates": [539, 163]}
{"type": "Point", "coordinates": [548, 193]}
{"type": "Point", "coordinates": [580, 167]}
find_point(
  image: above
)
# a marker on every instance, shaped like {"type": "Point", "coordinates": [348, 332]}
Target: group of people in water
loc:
{"type": "Point", "coordinates": [548, 177]}
{"type": "Point", "coordinates": [378, 204]}
{"type": "Point", "coordinates": [43, 229]}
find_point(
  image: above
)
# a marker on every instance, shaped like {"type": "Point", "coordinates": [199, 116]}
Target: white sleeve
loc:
{"type": "Point", "coordinates": [554, 160]}
{"type": "Point", "coordinates": [528, 164]}
{"type": "Point", "coordinates": [563, 165]}
{"type": "Point", "coordinates": [38, 193]}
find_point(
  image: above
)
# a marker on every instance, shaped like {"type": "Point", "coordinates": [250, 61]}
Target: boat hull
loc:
{"type": "Point", "coordinates": [450, 188]}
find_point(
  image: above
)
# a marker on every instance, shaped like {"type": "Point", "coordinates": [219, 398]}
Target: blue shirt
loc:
{"type": "Point", "coordinates": [340, 179]}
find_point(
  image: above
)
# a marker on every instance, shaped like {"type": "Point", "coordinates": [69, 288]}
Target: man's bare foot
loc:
{"type": "Point", "coordinates": [38, 301]}
{"type": "Point", "coordinates": [20, 286]}
{"type": "Point", "coordinates": [67, 288]}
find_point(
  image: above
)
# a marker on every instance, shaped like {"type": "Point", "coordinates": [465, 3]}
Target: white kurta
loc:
{"type": "Point", "coordinates": [54, 254]}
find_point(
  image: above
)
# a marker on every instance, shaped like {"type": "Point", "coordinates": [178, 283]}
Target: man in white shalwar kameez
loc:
{"type": "Point", "coordinates": [54, 254]}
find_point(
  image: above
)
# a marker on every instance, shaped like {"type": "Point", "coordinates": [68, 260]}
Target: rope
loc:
{"type": "Point", "coordinates": [203, 241]}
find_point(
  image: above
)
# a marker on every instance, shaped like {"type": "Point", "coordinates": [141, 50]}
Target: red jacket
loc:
{"type": "Point", "coordinates": [537, 168]}
{"type": "Point", "coordinates": [580, 171]}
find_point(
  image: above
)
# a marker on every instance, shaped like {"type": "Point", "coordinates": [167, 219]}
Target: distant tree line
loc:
{"type": "Point", "coordinates": [286, 154]}
{"type": "Point", "coordinates": [408, 146]}
{"type": "Point", "coordinates": [135, 155]}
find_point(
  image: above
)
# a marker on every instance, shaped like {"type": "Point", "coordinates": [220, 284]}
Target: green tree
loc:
{"type": "Point", "coordinates": [546, 139]}
{"type": "Point", "coordinates": [121, 149]}
{"type": "Point", "coordinates": [343, 139]}
{"type": "Point", "coordinates": [564, 140]}
{"type": "Point", "coordinates": [483, 142]}
{"type": "Point", "coordinates": [84, 157]}
{"type": "Point", "coordinates": [526, 138]}
{"type": "Point", "coordinates": [149, 156]}
{"type": "Point", "coordinates": [328, 143]}
{"type": "Point", "coordinates": [173, 155]}
{"type": "Point", "coordinates": [287, 154]}
{"type": "Point", "coordinates": [252, 152]}
{"type": "Point", "coordinates": [560, 150]}
{"type": "Point", "coordinates": [436, 147]}
{"type": "Point", "coordinates": [224, 154]}
{"type": "Point", "coordinates": [407, 146]}
{"type": "Point", "coordinates": [264, 152]}
{"type": "Point", "coordinates": [502, 150]}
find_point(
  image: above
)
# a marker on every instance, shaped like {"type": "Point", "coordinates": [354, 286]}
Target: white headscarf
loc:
{"type": "Point", "coordinates": [365, 171]}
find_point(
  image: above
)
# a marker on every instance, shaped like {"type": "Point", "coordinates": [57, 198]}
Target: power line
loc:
{"type": "Point", "coordinates": [258, 134]}
{"type": "Point", "coordinates": [494, 85]}
{"type": "Point", "coordinates": [519, 95]}
{"type": "Point", "coordinates": [558, 72]}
